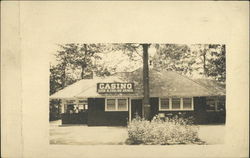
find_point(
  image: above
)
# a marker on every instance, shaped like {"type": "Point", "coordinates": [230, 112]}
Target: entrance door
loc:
{"type": "Point", "coordinates": [136, 108]}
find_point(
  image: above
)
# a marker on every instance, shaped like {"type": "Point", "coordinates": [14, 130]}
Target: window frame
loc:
{"type": "Point", "coordinates": [116, 104]}
{"type": "Point", "coordinates": [216, 104]}
{"type": "Point", "coordinates": [83, 102]}
{"type": "Point", "coordinates": [106, 104]}
{"type": "Point", "coordinates": [181, 104]}
{"type": "Point", "coordinates": [192, 103]}
{"type": "Point", "coordinates": [169, 103]}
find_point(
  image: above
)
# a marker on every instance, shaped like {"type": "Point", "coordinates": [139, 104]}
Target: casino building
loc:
{"type": "Point", "coordinates": [117, 99]}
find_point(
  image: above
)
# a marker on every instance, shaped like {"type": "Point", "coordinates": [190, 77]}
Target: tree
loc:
{"type": "Point", "coordinates": [57, 79]}
{"type": "Point", "coordinates": [206, 59]}
{"type": "Point", "coordinates": [70, 58]}
{"type": "Point", "coordinates": [202, 52]}
{"type": "Point", "coordinates": [63, 56]}
{"type": "Point", "coordinates": [217, 63]}
{"type": "Point", "coordinates": [77, 61]}
{"type": "Point", "coordinates": [81, 56]}
{"type": "Point", "coordinates": [57, 82]}
{"type": "Point", "coordinates": [174, 57]}
{"type": "Point", "coordinates": [146, 103]}
{"type": "Point", "coordinates": [133, 50]}
{"type": "Point", "coordinates": [141, 49]}
{"type": "Point", "coordinates": [212, 61]}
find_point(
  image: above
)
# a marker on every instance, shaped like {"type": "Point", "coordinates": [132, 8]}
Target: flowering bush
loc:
{"type": "Point", "coordinates": [169, 131]}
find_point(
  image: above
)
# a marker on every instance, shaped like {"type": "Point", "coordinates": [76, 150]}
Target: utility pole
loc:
{"type": "Point", "coordinates": [146, 103]}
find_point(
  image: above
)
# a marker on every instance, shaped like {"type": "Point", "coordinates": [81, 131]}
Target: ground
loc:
{"type": "Point", "coordinates": [103, 135]}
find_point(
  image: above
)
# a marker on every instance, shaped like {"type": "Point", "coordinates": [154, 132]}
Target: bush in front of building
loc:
{"type": "Point", "coordinates": [162, 132]}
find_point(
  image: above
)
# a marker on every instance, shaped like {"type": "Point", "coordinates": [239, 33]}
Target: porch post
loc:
{"type": "Point", "coordinates": [129, 111]}
{"type": "Point", "coordinates": [61, 106]}
{"type": "Point", "coordinates": [64, 106]}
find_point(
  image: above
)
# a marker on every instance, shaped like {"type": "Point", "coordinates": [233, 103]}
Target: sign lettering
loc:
{"type": "Point", "coordinates": [115, 87]}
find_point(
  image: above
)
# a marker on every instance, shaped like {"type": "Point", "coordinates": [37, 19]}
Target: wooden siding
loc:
{"type": "Point", "coordinates": [80, 118]}
{"type": "Point", "coordinates": [154, 102]}
{"type": "Point", "coordinates": [97, 116]}
{"type": "Point", "coordinates": [199, 114]}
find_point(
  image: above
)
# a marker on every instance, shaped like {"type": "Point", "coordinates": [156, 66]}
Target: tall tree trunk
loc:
{"type": "Point", "coordinates": [146, 104]}
{"type": "Point", "coordinates": [84, 61]}
{"type": "Point", "coordinates": [64, 76]}
{"type": "Point", "coordinates": [82, 73]}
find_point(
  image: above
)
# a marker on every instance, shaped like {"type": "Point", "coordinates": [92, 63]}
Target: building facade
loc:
{"type": "Point", "coordinates": [117, 99]}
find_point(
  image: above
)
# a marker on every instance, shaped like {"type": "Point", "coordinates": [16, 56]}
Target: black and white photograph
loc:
{"type": "Point", "coordinates": [138, 93]}
{"type": "Point", "coordinates": [124, 79]}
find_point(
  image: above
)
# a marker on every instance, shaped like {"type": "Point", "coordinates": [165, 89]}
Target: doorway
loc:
{"type": "Point", "coordinates": [136, 108]}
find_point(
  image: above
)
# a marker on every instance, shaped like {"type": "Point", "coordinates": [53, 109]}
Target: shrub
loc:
{"type": "Point", "coordinates": [169, 131]}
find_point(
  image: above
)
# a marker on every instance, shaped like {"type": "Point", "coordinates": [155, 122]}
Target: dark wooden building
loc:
{"type": "Point", "coordinates": [117, 99]}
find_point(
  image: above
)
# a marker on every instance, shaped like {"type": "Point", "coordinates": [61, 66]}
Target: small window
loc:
{"type": "Point", "coordinates": [164, 105]}
{"type": "Point", "coordinates": [220, 106]}
{"type": "Point", "coordinates": [187, 103]}
{"type": "Point", "coordinates": [211, 106]}
{"type": "Point", "coordinates": [86, 106]}
{"type": "Point", "coordinates": [82, 105]}
{"type": "Point", "coordinates": [111, 104]}
{"type": "Point", "coordinates": [122, 104]}
{"type": "Point", "coordinates": [70, 108]}
{"type": "Point", "coordinates": [214, 104]}
{"type": "Point", "coordinates": [116, 104]}
{"type": "Point", "coordinates": [176, 103]}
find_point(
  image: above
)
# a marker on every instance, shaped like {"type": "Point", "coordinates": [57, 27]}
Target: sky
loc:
{"type": "Point", "coordinates": [115, 58]}
{"type": "Point", "coordinates": [121, 61]}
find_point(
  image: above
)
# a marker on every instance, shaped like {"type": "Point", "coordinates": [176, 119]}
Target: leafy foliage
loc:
{"type": "Point", "coordinates": [80, 56]}
{"type": "Point", "coordinates": [162, 132]}
{"type": "Point", "coordinates": [58, 78]}
{"type": "Point", "coordinates": [207, 59]}
{"type": "Point", "coordinates": [174, 57]}
{"type": "Point", "coordinates": [73, 58]}
{"type": "Point", "coordinates": [76, 61]}
{"type": "Point", "coordinates": [217, 63]}
{"type": "Point", "coordinates": [133, 50]}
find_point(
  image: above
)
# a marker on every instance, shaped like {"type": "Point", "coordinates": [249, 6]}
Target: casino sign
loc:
{"type": "Point", "coordinates": [115, 87]}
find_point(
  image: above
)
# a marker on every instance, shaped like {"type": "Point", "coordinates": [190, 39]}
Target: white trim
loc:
{"type": "Point", "coordinates": [192, 104]}
{"type": "Point", "coordinates": [63, 106]}
{"type": "Point", "coordinates": [170, 102]}
{"type": "Point", "coordinates": [113, 96]}
{"type": "Point", "coordinates": [106, 104]}
{"type": "Point", "coordinates": [136, 97]}
{"type": "Point", "coordinates": [78, 101]}
{"type": "Point", "coordinates": [181, 104]}
{"type": "Point", "coordinates": [116, 103]}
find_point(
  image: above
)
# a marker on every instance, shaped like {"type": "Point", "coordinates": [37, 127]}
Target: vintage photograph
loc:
{"type": "Point", "coordinates": [137, 94]}
{"type": "Point", "coordinates": [151, 79]}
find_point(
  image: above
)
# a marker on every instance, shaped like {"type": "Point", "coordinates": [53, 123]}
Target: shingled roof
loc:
{"type": "Point", "coordinates": [214, 85]}
{"type": "Point", "coordinates": [161, 83]}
